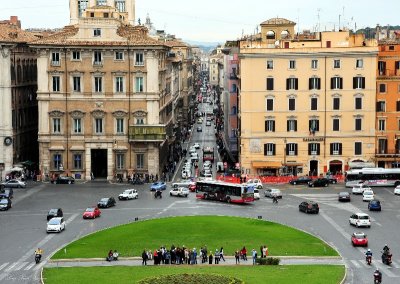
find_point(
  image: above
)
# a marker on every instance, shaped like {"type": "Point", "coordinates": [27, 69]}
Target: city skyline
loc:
{"type": "Point", "coordinates": [219, 21]}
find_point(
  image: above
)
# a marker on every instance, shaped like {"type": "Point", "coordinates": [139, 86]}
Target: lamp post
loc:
{"type": "Point", "coordinates": [284, 155]}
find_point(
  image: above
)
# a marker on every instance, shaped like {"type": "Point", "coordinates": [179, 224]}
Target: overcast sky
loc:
{"type": "Point", "coordinates": [221, 20]}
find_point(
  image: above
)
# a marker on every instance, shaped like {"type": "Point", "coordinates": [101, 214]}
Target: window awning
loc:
{"type": "Point", "coordinates": [293, 164]}
{"type": "Point", "coordinates": [266, 164]}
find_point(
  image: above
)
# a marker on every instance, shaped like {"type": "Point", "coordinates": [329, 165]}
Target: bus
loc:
{"type": "Point", "coordinates": [208, 154]}
{"type": "Point", "coordinates": [373, 177]}
{"type": "Point", "coordinates": [224, 191]}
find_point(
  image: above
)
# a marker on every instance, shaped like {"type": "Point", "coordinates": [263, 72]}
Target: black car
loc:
{"type": "Point", "coordinates": [300, 180]}
{"type": "Point", "coordinates": [7, 193]}
{"type": "Point", "coordinates": [331, 179]}
{"type": "Point", "coordinates": [344, 196]}
{"type": "Point", "coordinates": [5, 203]}
{"type": "Point", "coordinates": [106, 202]}
{"type": "Point", "coordinates": [309, 207]}
{"type": "Point", "coordinates": [64, 180]}
{"type": "Point", "coordinates": [318, 182]}
{"type": "Point", "coordinates": [54, 212]}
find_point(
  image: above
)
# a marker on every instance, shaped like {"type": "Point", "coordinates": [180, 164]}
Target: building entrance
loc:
{"type": "Point", "coordinates": [313, 168]}
{"type": "Point", "coordinates": [99, 163]}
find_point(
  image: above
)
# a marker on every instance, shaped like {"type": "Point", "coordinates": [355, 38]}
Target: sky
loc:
{"type": "Point", "coordinates": [221, 20]}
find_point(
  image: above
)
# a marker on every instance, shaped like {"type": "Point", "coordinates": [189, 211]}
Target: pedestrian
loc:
{"type": "Point", "coordinates": [265, 251]}
{"type": "Point", "coordinates": [216, 256]}
{"type": "Point", "coordinates": [221, 254]}
{"type": "Point", "coordinates": [144, 257]}
{"type": "Point", "coordinates": [254, 255]}
{"type": "Point", "coordinates": [237, 256]}
{"type": "Point", "coordinates": [244, 253]}
{"type": "Point", "coordinates": [210, 258]}
{"type": "Point", "coordinates": [261, 251]}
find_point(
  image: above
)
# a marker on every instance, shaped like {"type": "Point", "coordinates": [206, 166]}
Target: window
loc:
{"type": "Point", "coordinates": [120, 125]}
{"type": "Point", "coordinates": [380, 106]}
{"type": "Point", "coordinates": [292, 84]}
{"type": "Point", "coordinates": [98, 84]}
{"type": "Point", "coordinates": [336, 83]}
{"type": "Point", "coordinates": [357, 148]}
{"type": "Point", "coordinates": [139, 59]}
{"type": "Point", "coordinates": [98, 126]}
{"type": "Point", "coordinates": [120, 5]}
{"type": "Point", "coordinates": [269, 149]}
{"type": "Point", "coordinates": [313, 149]}
{"type": "Point", "coordinates": [101, 2]}
{"type": "Point", "coordinates": [314, 83]}
{"type": "Point", "coordinates": [56, 83]}
{"type": "Point", "coordinates": [270, 64]}
{"type": "Point", "coordinates": [119, 84]}
{"type": "Point", "coordinates": [97, 60]}
{"type": "Point", "coordinates": [335, 124]}
{"type": "Point", "coordinates": [336, 103]}
{"type": "Point", "coordinates": [82, 5]}
{"type": "Point", "coordinates": [358, 82]}
{"type": "Point", "coordinates": [358, 124]}
{"type": "Point", "coordinates": [77, 161]}
{"type": "Point", "coordinates": [358, 103]}
{"type": "Point", "coordinates": [119, 55]}
{"type": "Point", "coordinates": [139, 84]}
{"type": "Point", "coordinates": [76, 55]}
{"type": "Point", "coordinates": [397, 66]}
{"type": "Point", "coordinates": [382, 88]}
{"type": "Point", "coordinates": [57, 161]}
{"type": "Point", "coordinates": [291, 149]}
{"type": "Point", "coordinates": [56, 125]}
{"type": "Point", "coordinates": [270, 84]}
{"type": "Point", "coordinates": [77, 125]}
{"type": "Point", "coordinates": [359, 63]}
{"type": "Point", "coordinates": [270, 104]}
{"type": "Point", "coordinates": [291, 125]}
{"type": "Point", "coordinates": [96, 32]}
{"type": "Point", "coordinates": [139, 161]}
{"type": "Point", "coordinates": [314, 103]}
{"type": "Point", "coordinates": [382, 67]}
{"type": "Point", "coordinates": [292, 64]}
{"type": "Point", "coordinates": [313, 125]}
{"type": "Point", "coordinates": [398, 106]}
{"type": "Point", "coordinates": [292, 104]}
{"type": "Point", "coordinates": [55, 59]}
{"type": "Point", "coordinates": [336, 148]}
{"type": "Point", "coordinates": [336, 63]}
{"type": "Point", "coordinates": [391, 47]}
{"type": "Point", "coordinates": [120, 161]}
{"type": "Point", "coordinates": [106, 15]}
{"type": "Point", "coordinates": [382, 146]}
{"type": "Point", "coordinates": [270, 125]}
{"type": "Point", "coordinates": [140, 120]}
{"type": "Point", "coordinates": [381, 124]}
{"type": "Point", "coordinates": [76, 83]}
{"type": "Point", "coordinates": [314, 64]}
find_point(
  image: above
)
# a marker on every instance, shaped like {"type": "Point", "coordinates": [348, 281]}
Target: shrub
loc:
{"type": "Point", "coordinates": [268, 261]}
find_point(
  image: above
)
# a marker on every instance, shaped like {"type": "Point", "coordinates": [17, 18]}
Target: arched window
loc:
{"type": "Point", "coordinates": [284, 34]}
{"type": "Point", "coordinates": [270, 35]}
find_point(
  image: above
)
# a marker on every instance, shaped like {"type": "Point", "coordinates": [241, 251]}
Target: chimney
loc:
{"type": "Point", "coordinates": [14, 21]}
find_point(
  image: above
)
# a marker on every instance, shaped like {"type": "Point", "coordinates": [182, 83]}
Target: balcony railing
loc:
{"type": "Point", "coordinates": [149, 133]}
{"type": "Point", "coordinates": [388, 72]}
{"type": "Point", "coordinates": [384, 152]}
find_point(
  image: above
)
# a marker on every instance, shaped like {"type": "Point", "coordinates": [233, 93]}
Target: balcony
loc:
{"type": "Point", "coordinates": [147, 133]}
{"type": "Point", "coordinates": [387, 153]}
{"type": "Point", "coordinates": [388, 73]}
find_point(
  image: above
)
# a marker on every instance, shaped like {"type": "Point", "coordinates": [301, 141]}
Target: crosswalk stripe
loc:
{"type": "Point", "coordinates": [355, 263]}
{"type": "Point", "coordinates": [29, 266]}
{"type": "Point", "coordinates": [20, 266]}
{"type": "Point", "coordinates": [3, 265]}
{"type": "Point", "coordinates": [11, 266]}
{"type": "Point", "coordinates": [384, 268]}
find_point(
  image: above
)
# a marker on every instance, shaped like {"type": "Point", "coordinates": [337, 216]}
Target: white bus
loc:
{"type": "Point", "coordinates": [373, 177]}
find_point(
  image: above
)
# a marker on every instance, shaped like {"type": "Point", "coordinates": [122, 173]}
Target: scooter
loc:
{"type": "Point", "coordinates": [387, 258]}
{"type": "Point", "coordinates": [368, 258]}
{"type": "Point", "coordinates": [37, 258]}
{"type": "Point", "coordinates": [158, 194]}
{"type": "Point", "coordinates": [377, 278]}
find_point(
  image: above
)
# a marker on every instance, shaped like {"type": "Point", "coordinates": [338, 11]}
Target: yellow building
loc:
{"type": "Point", "coordinates": [307, 101]}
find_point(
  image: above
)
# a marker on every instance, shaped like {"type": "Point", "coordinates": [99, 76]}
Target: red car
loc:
{"type": "Point", "coordinates": [91, 212]}
{"type": "Point", "coordinates": [359, 239]}
{"type": "Point", "coordinates": [192, 187]}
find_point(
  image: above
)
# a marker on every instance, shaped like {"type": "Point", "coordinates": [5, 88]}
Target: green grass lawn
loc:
{"type": "Point", "coordinates": [232, 233]}
{"type": "Point", "coordinates": [311, 274]}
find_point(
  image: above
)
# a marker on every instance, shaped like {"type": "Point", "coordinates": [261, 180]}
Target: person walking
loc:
{"type": "Point", "coordinates": [216, 256]}
{"type": "Point", "coordinates": [254, 255]}
{"type": "Point", "coordinates": [237, 256]}
{"type": "Point", "coordinates": [210, 258]}
{"type": "Point", "coordinates": [144, 257]}
{"type": "Point", "coordinates": [221, 254]}
{"type": "Point", "coordinates": [244, 253]}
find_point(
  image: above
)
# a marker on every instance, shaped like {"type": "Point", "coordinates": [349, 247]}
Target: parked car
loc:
{"type": "Point", "coordinates": [204, 172]}
{"type": "Point", "coordinates": [397, 190]}
{"type": "Point", "coordinates": [360, 220]}
{"type": "Point", "coordinates": [208, 123]}
{"type": "Point", "coordinates": [179, 191]}
{"type": "Point", "coordinates": [344, 196]}
{"type": "Point", "coordinates": [106, 202]}
{"type": "Point", "coordinates": [64, 180]}
{"type": "Point", "coordinates": [270, 192]}
{"type": "Point", "coordinates": [91, 212]}
{"type": "Point", "coordinates": [56, 225]}
{"type": "Point", "coordinates": [300, 180]}
{"type": "Point", "coordinates": [199, 129]}
{"type": "Point", "coordinates": [159, 185]}
{"type": "Point", "coordinates": [13, 183]}
{"type": "Point", "coordinates": [374, 205]}
{"type": "Point", "coordinates": [196, 145]}
{"type": "Point", "coordinates": [309, 207]}
{"type": "Point", "coordinates": [7, 193]}
{"type": "Point", "coordinates": [192, 150]}
{"type": "Point", "coordinates": [359, 188]}
{"type": "Point", "coordinates": [319, 182]}
{"type": "Point", "coordinates": [5, 204]}
{"type": "Point", "coordinates": [256, 194]}
{"type": "Point", "coordinates": [331, 179]}
{"type": "Point", "coordinates": [359, 239]}
{"type": "Point", "coordinates": [368, 195]}
{"type": "Point", "coordinates": [128, 194]}
{"type": "Point", "coordinates": [255, 182]}
{"type": "Point", "coordinates": [54, 212]}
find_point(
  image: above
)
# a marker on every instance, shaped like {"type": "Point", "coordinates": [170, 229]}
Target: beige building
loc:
{"type": "Point", "coordinates": [307, 101]}
{"type": "Point", "coordinates": [103, 94]}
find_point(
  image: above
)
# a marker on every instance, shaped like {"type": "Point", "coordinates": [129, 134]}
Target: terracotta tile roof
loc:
{"type": "Point", "coordinates": [13, 34]}
{"type": "Point", "coordinates": [175, 43]}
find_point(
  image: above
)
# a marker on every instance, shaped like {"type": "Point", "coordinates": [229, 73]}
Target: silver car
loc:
{"type": "Point", "coordinates": [270, 192]}
{"type": "Point", "coordinates": [13, 183]}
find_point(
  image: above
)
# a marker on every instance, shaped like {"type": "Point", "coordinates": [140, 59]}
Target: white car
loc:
{"type": "Point", "coordinates": [128, 194]}
{"type": "Point", "coordinates": [368, 195]}
{"type": "Point", "coordinates": [192, 150]}
{"type": "Point", "coordinates": [397, 190]}
{"type": "Point", "coordinates": [255, 182]}
{"type": "Point", "coordinates": [55, 225]}
{"type": "Point", "coordinates": [183, 183]}
{"type": "Point", "coordinates": [256, 194]}
{"type": "Point", "coordinates": [186, 174]}
{"type": "Point", "coordinates": [270, 192]}
{"type": "Point", "coordinates": [359, 188]}
{"type": "Point", "coordinates": [360, 220]}
{"type": "Point", "coordinates": [208, 176]}
{"type": "Point", "coordinates": [179, 191]}
{"type": "Point", "coordinates": [196, 145]}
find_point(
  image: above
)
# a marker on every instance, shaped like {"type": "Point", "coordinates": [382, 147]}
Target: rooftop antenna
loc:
{"type": "Point", "coordinates": [298, 21]}
{"type": "Point", "coordinates": [319, 22]}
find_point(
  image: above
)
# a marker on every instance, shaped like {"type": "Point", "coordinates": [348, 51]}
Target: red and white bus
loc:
{"type": "Point", "coordinates": [373, 177]}
{"type": "Point", "coordinates": [208, 154]}
{"type": "Point", "coordinates": [224, 191]}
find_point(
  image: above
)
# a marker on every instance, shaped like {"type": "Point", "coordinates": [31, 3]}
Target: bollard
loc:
{"type": "Point", "coordinates": [136, 218]}
{"type": "Point", "coordinates": [259, 217]}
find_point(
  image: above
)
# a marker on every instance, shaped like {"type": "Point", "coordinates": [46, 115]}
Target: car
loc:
{"type": "Point", "coordinates": [91, 213]}
{"type": "Point", "coordinates": [179, 191]}
{"type": "Point", "coordinates": [192, 150]}
{"type": "Point", "coordinates": [159, 185]}
{"type": "Point", "coordinates": [300, 180]}
{"type": "Point", "coordinates": [183, 183]}
{"type": "Point", "coordinates": [205, 172]}
{"type": "Point", "coordinates": [374, 205]}
{"type": "Point", "coordinates": [360, 220]}
{"type": "Point", "coordinates": [199, 129]}
{"type": "Point", "coordinates": [256, 194]}
{"type": "Point", "coordinates": [397, 190]}
{"type": "Point", "coordinates": [54, 212]}
{"type": "Point", "coordinates": [255, 182]}
{"type": "Point", "coordinates": [331, 179]}
{"type": "Point", "coordinates": [5, 204]}
{"type": "Point", "coordinates": [13, 183]}
{"type": "Point", "coordinates": [185, 173]}
{"type": "Point", "coordinates": [270, 192]}
{"type": "Point", "coordinates": [208, 176]}
{"type": "Point", "coordinates": [344, 196]}
{"type": "Point", "coordinates": [196, 145]}
{"type": "Point", "coordinates": [106, 202]}
{"type": "Point", "coordinates": [55, 225]}
{"type": "Point", "coordinates": [7, 193]}
{"type": "Point", "coordinates": [359, 239]}
{"type": "Point", "coordinates": [199, 121]}
{"type": "Point", "coordinates": [194, 156]}
{"type": "Point", "coordinates": [128, 194]}
{"type": "Point", "coordinates": [368, 195]}
{"type": "Point", "coordinates": [309, 207]}
{"type": "Point", "coordinates": [359, 188]}
{"type": "Point", "coordinates": [208, 123]}
{"type": "Point", "coordinates": [64, 180]}
{"type": "Point", "coordinates": [319, 182]}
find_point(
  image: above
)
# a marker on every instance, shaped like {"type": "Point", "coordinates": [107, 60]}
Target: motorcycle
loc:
{"type": "Point", "coordinates": [158, 194]}
{"type": "Point", "coordinates": [368, 258]}
{"type": "Point", "coordinates": [377, 278]}
{"type": "Point", "coordinates": [37, 258]}
{"type": "Point", "coordinates": [386, 258]}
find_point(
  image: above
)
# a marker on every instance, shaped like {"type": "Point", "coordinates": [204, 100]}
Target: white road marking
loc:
{"type": "Point", "coordinates": [3, 265]}
{"type": "Point", "coordinates": [11, 267]}
{"type": "Point", "coordinates": [355, 263]}
{"type": "Point", "coordinates": [29, 266]}
{"type": "Point", "coordinates": [20, 266]}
